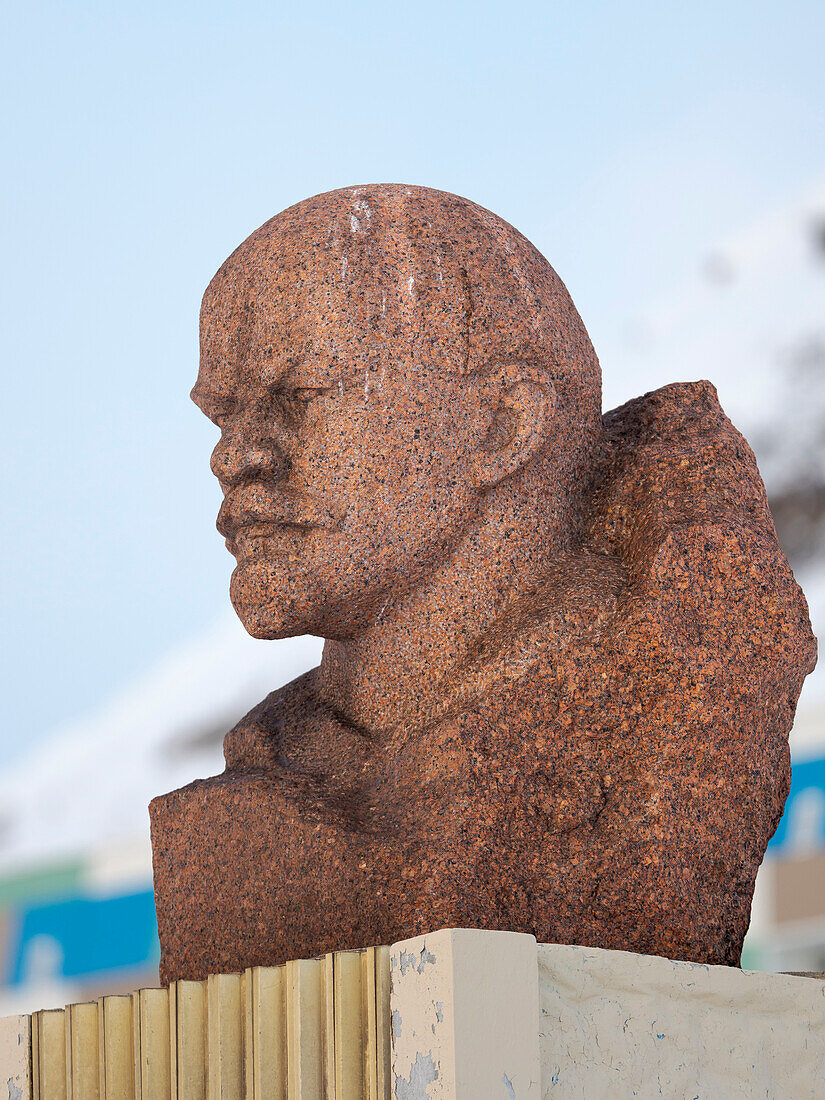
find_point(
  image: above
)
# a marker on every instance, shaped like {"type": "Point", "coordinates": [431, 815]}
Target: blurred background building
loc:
{"type": "Point", "coordinates": [143, 144]}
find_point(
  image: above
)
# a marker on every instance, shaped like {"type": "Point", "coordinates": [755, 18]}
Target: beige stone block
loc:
{"type": "Point", "coordinates": [464, 1008]}
{"type": "Point", "coordinates": [16, 1058]}
{"type": "Point", "coordinates": [349, 1017]}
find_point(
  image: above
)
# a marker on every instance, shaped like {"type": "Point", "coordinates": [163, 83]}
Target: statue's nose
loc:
{"type": "Point", "coordinates": [236, 461]}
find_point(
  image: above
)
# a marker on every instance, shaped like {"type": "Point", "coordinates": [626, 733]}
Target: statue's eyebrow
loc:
{"type": "Point", "coordinates": [281, 374]}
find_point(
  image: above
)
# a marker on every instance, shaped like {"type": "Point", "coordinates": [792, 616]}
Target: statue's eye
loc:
{"type": "Point", "coordinates": [292, 403]}
{"type": "Point", "coordinates": [305, 394]}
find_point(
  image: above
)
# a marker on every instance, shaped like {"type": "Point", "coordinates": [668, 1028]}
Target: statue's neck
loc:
{"type": "Point", "coordinates": [394, 673]}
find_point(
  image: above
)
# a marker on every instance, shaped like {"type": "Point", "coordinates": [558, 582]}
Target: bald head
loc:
{"type": "Point", "coordinates": [387, 270]}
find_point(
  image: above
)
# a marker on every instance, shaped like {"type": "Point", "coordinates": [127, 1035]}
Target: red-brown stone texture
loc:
{"type": "Point", "coordinates": [563, 650]}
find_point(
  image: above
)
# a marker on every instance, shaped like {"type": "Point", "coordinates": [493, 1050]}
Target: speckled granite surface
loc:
{"type": "Point", "coordinates": [563, 651]}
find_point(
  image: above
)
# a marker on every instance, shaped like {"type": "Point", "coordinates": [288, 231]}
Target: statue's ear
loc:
{"type": "Point", "coordinates": [517, 431]}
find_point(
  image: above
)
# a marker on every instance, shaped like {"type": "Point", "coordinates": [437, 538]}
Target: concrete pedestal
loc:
{"type": "Point", "coordinates": [494, 1016]}
{"type": "Point", "coordinates": [458, 1014]}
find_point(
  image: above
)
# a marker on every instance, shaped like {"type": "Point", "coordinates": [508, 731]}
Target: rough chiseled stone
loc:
{"type": "Point", "coordinates": [563, 650]}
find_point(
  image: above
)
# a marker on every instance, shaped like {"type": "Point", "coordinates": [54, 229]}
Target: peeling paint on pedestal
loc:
{"type": "Point", "coordinates": [464, 1011]}
{"type": "Point", "coordinates": [407, 970]}
{"type": "Point", "coordinates": [15, 1057]}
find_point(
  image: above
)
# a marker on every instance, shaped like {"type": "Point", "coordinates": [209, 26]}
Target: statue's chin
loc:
{"type": "Point", "coordinates": [261, 626]}
{"type": "Point", "coordinates": [264, 603]}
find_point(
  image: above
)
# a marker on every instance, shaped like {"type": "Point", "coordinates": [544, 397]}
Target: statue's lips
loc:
{"type": "Point", "coordinates": [265, 538]}
{"type": "Point", "coordinates": [256, 512]}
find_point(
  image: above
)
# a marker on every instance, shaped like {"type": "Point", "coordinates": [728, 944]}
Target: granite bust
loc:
{"type": "Point", "coordinates": [563, 650]}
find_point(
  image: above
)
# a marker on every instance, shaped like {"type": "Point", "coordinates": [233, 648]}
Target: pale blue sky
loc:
{"type": "Point", "coordinates": [143, 143]}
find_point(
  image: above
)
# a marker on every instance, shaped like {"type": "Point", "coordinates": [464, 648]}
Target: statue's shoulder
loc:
{"type": "Point", "coordinates": [672, 458]}
{"type": "Point", "coordinates": [683, 603]}
{"type": "Point", "coordinates": [293, 730]}
{"type": "Point", "coordinates": [285, 716]}
{"type": "Point", "coordinates": [681, 503]}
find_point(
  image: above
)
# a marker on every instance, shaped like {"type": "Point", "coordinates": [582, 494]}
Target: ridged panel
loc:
{"type": "Point", "coordinates": [116, 1055]}
{"type": "Point", "coordinates": [350, 1030]}
{"type": "Point", "coordinates": [265, 1033]}
{"type": "Point", "coordinates": [225, 1039]}
{"type": "Point", "coordinates": [313, 1029]}
{"type": "Point", "coordinates": [305, 1018]}
{"type": "Point", "coordinates": [82, 1052]}
{"type": "Point", "coordinates": [150, 1019]}
{"type": "Point", "coordinates": [49, 1054]}
{"type": "Point", "coordinates": [187, 1036]}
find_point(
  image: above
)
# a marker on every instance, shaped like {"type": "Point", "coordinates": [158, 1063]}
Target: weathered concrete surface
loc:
{"type": "Point", "coordinates": [487, 1015]}
{"type": "Point", "coordinates": [623, 1025]}
{"type": "Point", "coordinates": [464, 1009]}
{"type": "Point", "coordinates": [15, 1058]}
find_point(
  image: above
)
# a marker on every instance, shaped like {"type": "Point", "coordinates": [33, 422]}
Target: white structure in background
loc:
{"type": "Point", "coordinates": [76, 914]}
{"type": "Point", "coordinates": [753, 323]}
{"type": "Point", "coordinates": [88, 787]}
